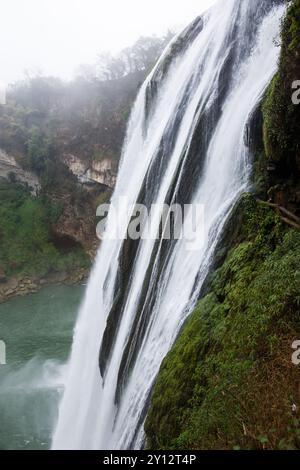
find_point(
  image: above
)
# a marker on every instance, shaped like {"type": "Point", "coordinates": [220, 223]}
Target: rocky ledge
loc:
{"type": "Point", "coordinates": [103, 172]}
{"type": "Point", "coordinates": [24, 285]}
{"type": "Point", "coordinates": [10, 170]}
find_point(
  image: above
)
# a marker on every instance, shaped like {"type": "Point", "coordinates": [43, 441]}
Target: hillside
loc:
{"type": "Point", "coordinates": [60, 145]}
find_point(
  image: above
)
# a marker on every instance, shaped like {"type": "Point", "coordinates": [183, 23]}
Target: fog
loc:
{"type": "Point", "coordinates": [54, 37]}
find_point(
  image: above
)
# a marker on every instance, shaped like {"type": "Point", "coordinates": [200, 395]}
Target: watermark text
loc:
{"type": "Point", "coordinates": [2, 353]}
{"type": "Point", "coordinates": [137, 222]}
{"type": "Point", "coordinates": [2, 94]}
{"type": "Point", "coordinates": [296, 93]}
{"type": "Point", "coordinates": [296, 354]}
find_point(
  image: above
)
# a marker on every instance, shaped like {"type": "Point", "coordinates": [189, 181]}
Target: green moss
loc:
{"type": "Point", "coordinates": [214, 388]}
{"type": "Point", "coordinates": [292, 27]}
{"type": "Point", "coordinates": [281, 117]}
{"type": "Point", "coordinates": [260, 175]}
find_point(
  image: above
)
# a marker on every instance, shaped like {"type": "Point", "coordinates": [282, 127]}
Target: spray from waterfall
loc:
{"type": "Point", "coordinates": [185, 144]}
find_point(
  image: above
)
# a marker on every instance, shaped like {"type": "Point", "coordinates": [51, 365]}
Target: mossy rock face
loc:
{"type": "Point", "coordinates": [281, 127]}
{"type": "Point", "coordinates": [228, 381]}
{"type": "Point", "coordinates": [236, 230]}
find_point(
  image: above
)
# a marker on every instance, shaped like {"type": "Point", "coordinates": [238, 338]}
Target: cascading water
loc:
{"type": "Point", "coordinates": [185, 144]}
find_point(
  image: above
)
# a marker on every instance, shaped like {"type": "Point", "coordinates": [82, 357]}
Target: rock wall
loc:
{"type": "Point", "coordinates": [10, 170]}
{"type": "Point", "coordinates": [103, 172]}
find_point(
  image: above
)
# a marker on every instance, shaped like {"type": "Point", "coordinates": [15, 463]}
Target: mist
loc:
{"type": "Point", "coordinates": [53, 37]}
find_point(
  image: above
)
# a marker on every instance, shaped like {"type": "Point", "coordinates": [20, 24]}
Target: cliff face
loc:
{"type": "Point", "coordinates": [281, 119]}
{"type": "Point", "coordinates": [59, 151]}
{"type": "Point", "coordinates": [11, 171]}
{"type": "Point", "coordinates": [60, 144]}
{"type": "Point", "coordinates": [229, 381]}
{"type": "Point", "coordinates": [103, 172]}
{"type": "Point", "coordinates": [64, 141]}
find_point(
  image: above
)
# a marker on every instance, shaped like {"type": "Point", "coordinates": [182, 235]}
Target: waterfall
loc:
{"type": "Point", "coordinates": [185, 144]}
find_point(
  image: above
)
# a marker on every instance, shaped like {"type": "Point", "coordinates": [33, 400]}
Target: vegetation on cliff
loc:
{"type": "Point", "coordinates": [46, 120]}
{"type": "Point", "coordinates": [229, 382]}
{"type": "Point", "coordinates": [86, 116]}
{"type": "Point", "coordinates": [27, 245]}
{"type": "Point", "coordinates": [281, 116]}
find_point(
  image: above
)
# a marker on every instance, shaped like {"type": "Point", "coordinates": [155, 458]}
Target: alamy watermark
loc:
{"type": "Point", "coordinates": [160, 221]}
{"type": "Point", "coordinates": [296, 93]}
{"type": "Point", "coordinates": [2, 353]}
{"type": "Point", "coordinates": [296, 354]}
{"type": "Point", "coordinates": [2, 94]}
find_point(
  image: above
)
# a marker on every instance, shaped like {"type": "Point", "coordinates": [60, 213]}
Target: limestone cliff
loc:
{"type": "Point", "coordinates": [12, 171]}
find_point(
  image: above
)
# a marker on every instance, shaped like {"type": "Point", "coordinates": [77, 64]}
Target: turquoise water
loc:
{"type": "Point", "coordinates": [37, 330]}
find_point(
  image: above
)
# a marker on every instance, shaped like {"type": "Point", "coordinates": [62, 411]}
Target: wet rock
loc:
{"type": "Point", "coordinates": [2, 275]}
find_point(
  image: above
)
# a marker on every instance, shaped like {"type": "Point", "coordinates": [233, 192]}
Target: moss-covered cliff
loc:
{"type": "Point", "coordinates": [229, 381]}
{"type": "Point", "coordinates": [281, 117]}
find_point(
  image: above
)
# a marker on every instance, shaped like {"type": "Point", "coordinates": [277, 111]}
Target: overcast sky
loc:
{"type": "Point", "coordinates": [55, 36]}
